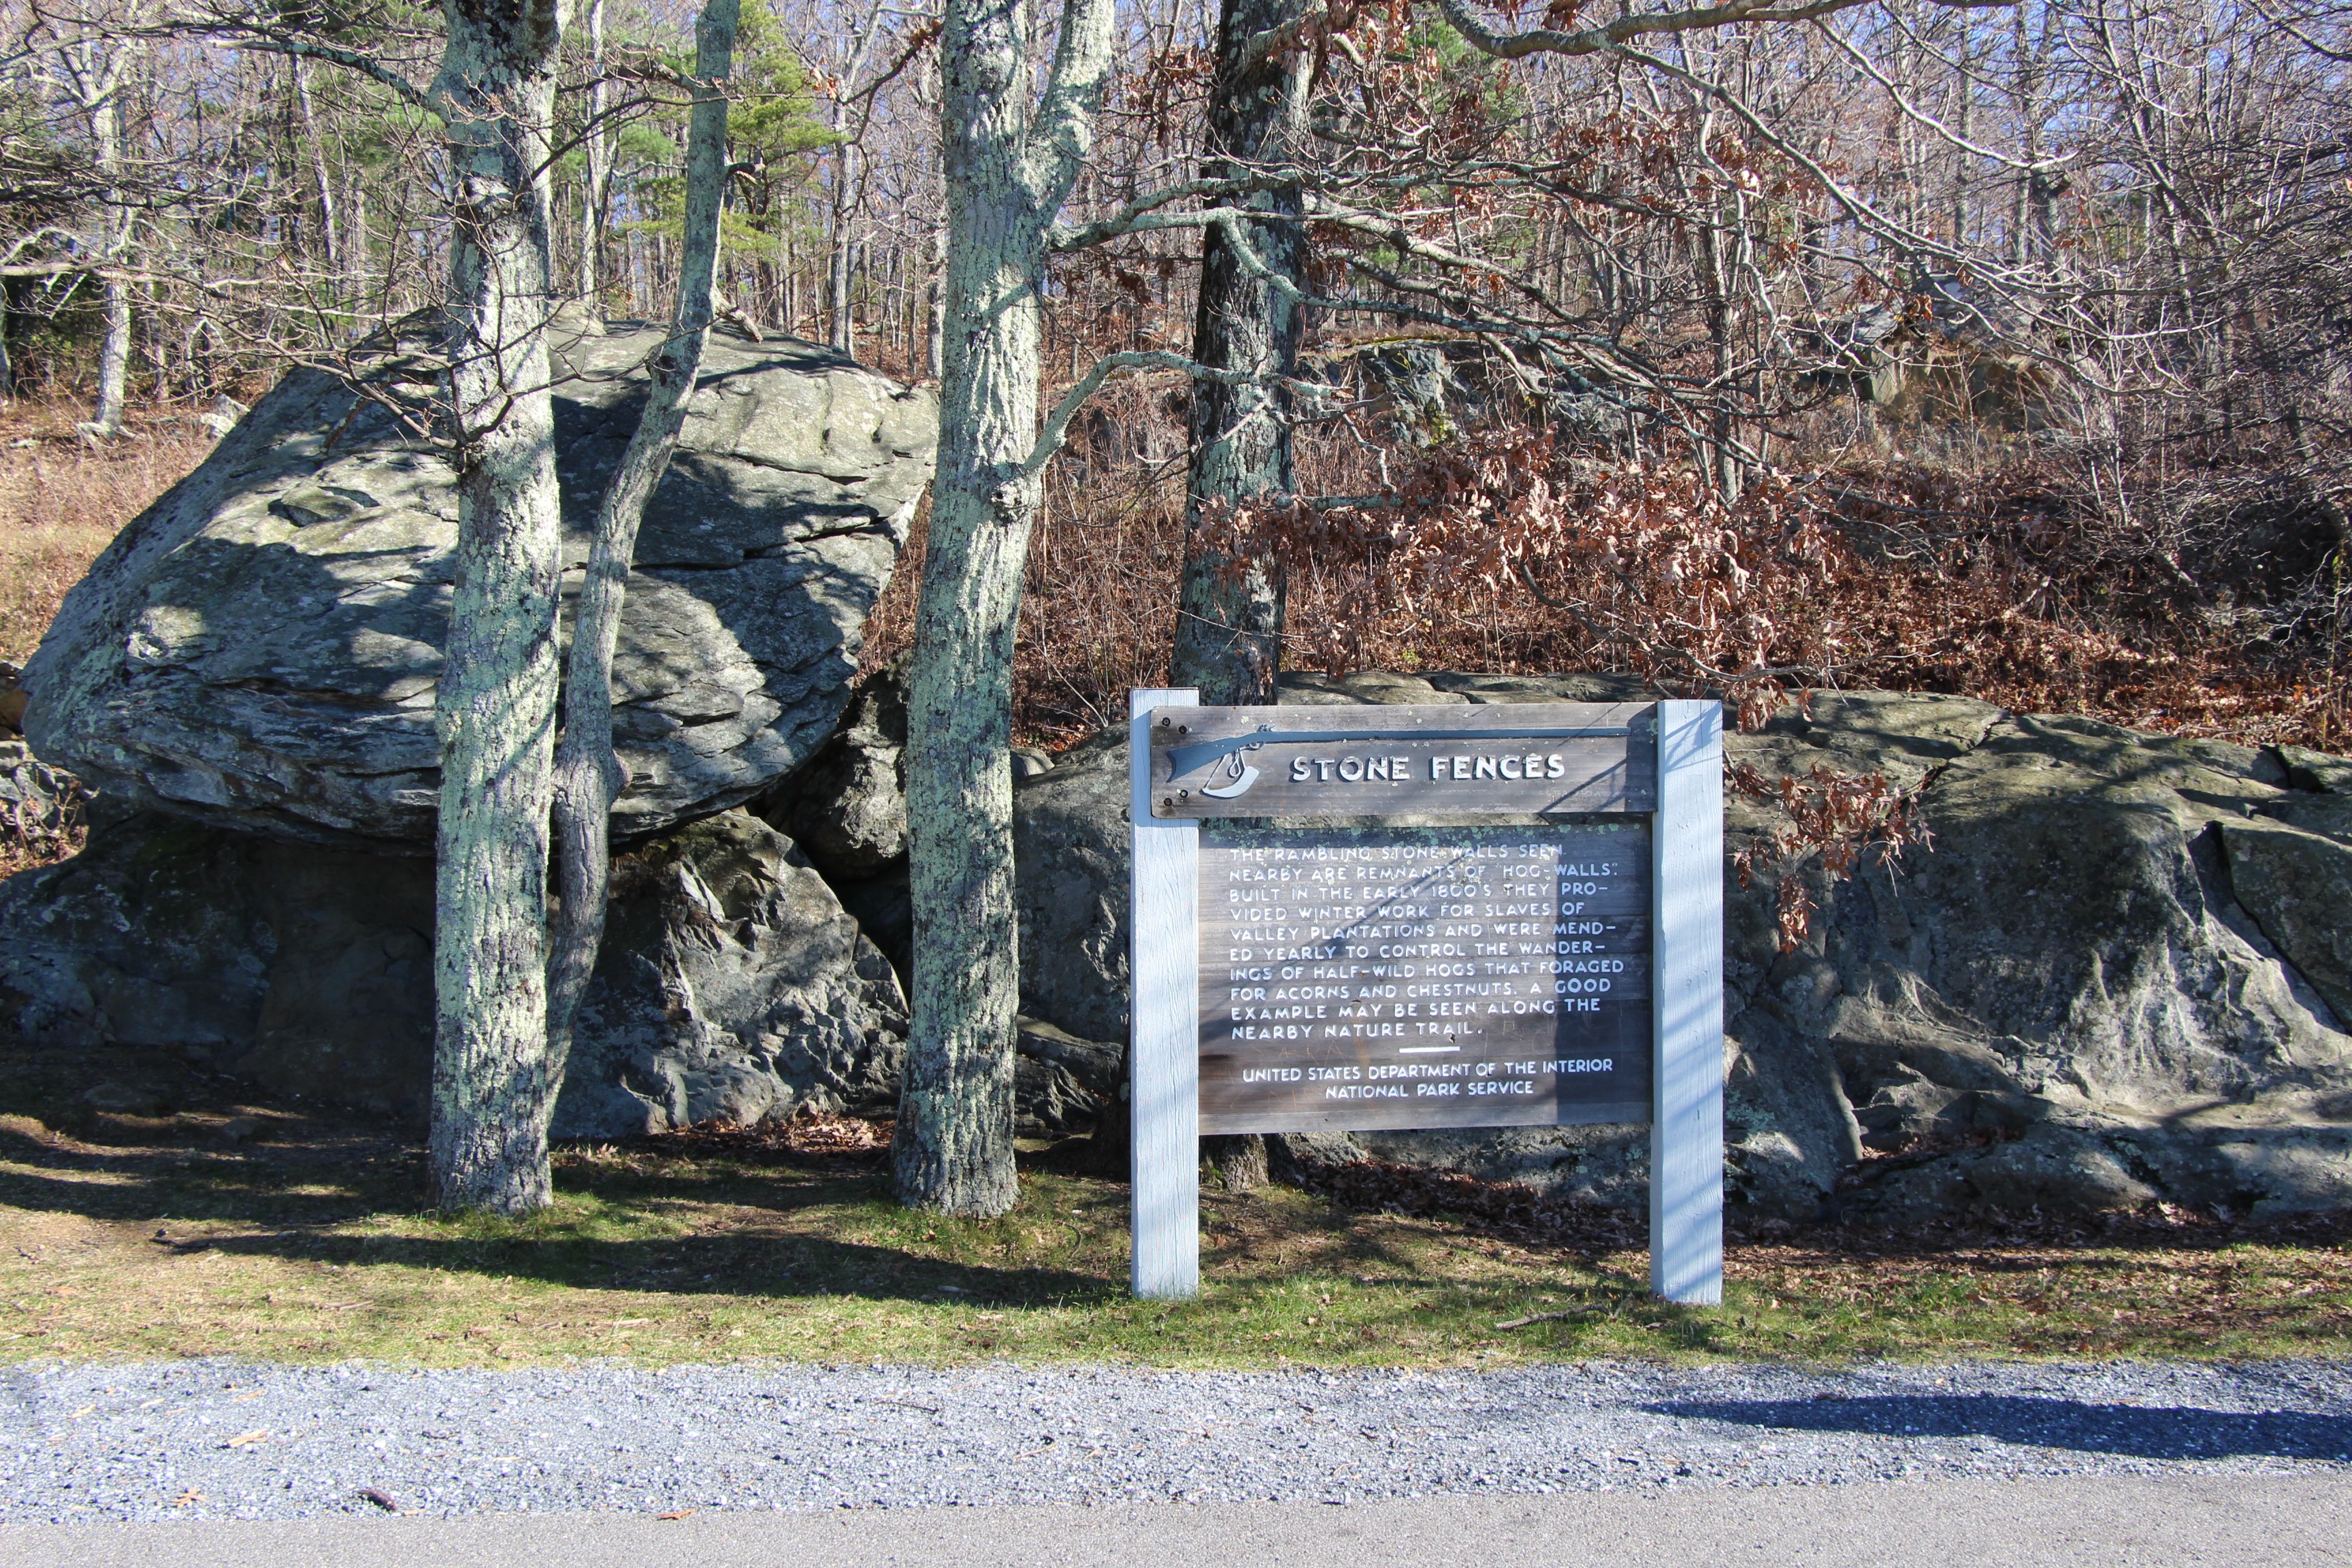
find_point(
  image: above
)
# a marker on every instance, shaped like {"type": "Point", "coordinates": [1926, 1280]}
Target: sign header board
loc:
{"type": "Point", "coordinates": [1518, 759]}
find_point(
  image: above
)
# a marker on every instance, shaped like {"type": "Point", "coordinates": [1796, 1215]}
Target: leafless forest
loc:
{"type": "Point", "coordinates": [1988, 348]}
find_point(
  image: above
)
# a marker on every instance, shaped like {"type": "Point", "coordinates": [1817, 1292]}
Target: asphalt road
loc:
{"type": "Point", "coordinates": [2081, 1521]}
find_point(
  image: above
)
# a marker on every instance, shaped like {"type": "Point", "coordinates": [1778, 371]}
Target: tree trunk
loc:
{"type": "Point", "coordinates": [356, 259]}
{"type": "Point", "coordinates": [113, 357]}
{"type": "Point", "coordinates": [839, 329]}
{"type": "Point", "coordinates": [935, 316]}
{"type": "Point", "coordinates": [954, 1146]}
{"type": "Point", "coordinates": [330, 231]}
{"type": "Point", "coordinates": [839, 333]}
{"type": "Point", "coordinates": [597, 176]}
{"type": "Point", "coordinates": [1228, 610]}
{"type": "Point", "coordinates": [587, 773]}
{"type": "Point", "coordinates": [1006, 181]}
{"type": "Point", "coordinates": [114, 349]}
{"type": "Point", "coordinates": [493, 1079]}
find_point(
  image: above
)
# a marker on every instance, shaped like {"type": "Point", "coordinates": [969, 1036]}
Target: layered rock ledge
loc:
{"type": "Point", "coordinates": [2120, 976]}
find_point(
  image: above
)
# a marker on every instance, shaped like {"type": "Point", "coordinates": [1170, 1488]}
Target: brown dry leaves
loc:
{"type": "Point", "coordinates": [62, 500]}
{"type": "Point", "coordinates": [1650, 569]}
{"type": "Point", "coordinates": [1845, 819]}
{"type": "Point", "coordinates": [810, 1133]}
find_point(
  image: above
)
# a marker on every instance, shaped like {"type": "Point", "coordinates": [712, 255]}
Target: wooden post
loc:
{"type": "Point", "coordinates": [1686, 991]}
{"type": "Point", "coordinates": [1163, 1050]}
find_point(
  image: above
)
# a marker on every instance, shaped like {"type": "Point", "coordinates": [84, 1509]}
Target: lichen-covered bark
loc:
{"type": "Point", "coordinates": [493, 1079]}
{"type": "Point", "coordinates": [1008, 172]}
{"type": "Point", "coordinates": [113, 356]}
{"type": "Point", "coordinates": [1230, 610]}
{"type": "Point", "coordinates": [596, 152]}
{"type": "Point", "coordinates": [114, 346]}
{"type": "Point", "coordinates": [587, 773]}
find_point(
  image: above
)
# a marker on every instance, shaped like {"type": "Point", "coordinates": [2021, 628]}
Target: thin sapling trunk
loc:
{"type": "Point", "coordinates": [587, 773]}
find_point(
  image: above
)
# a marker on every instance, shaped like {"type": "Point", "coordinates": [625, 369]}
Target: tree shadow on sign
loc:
{"type": "Point", "coordinates": [2145, 1432]}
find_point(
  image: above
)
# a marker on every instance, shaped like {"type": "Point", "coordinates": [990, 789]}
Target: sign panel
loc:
{"type": "Point", "coordinates": [1398, 975]}
{"type": "Point", "coordinates": [1505, 758]}
{"type": "Point", "coordinates": [1424, 977]}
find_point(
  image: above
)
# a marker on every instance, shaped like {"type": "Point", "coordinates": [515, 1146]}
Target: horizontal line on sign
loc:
{"type": "Point", "coordinates": [1424, 1050]}
{"type": "Point", "coordinates": [1403, 1115]}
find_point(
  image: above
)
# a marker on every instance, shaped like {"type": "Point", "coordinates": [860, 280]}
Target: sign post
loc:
{"type": "Point", "coordinates": [1387, 976]}
{"type": "Point", "coordinates": [1164, 1053]}
{"type": "Point", "coordinates": [1686, 931]}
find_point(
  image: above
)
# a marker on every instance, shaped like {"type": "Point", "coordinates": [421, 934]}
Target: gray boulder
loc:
{"type": "Point", "coordinates": [848, 811]}
{"type": "Point", "coordinates": [735, 986]}
{"type": "Point", "coordinates": [34, 798]}
{"type": "Point", "coordinates": [259, 649]}
{"type": "Point", "coordinates": [730, 984]}
{"type": "Point", "coordinates": [2075, 955]}
{"type": "Point", "coordinates": [1070, 858]}
{"type": "Point", "coordinates": [222, 417]}
{"type": "Point", "coordinates": [2297, 885]}
{"type": "Point", "coordinates": [2316, 772]}
{"type": "Point", "coordinates": [1061, 1084]}
{"type": "Point", "coordinates": [2117, 977]}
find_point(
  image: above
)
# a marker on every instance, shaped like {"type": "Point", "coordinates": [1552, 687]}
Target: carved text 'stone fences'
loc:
{"type": "Point", "coordinates": [1316, 761]}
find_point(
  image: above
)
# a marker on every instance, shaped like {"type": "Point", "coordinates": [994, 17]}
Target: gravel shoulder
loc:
{"type": "Point", "coordinates": [230, 1440]}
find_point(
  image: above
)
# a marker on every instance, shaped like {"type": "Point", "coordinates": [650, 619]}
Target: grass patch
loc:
{"type": "Point", "coordinates": [198, 1224]}
{"type": "Point", "coordinates": [62, 500]}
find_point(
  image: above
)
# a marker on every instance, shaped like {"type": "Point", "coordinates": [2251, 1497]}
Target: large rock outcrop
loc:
{"type": "Point", "coordinates": [730, 984]}
{"type": "Point", "coordinates": [259, 648]}
{"type": "Point", "coordinates": [847, 809]}
{"type": "Point", "coordinates": [2119, 976]}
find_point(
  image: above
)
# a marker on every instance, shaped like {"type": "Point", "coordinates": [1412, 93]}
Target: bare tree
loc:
{"type": "Point", "coordinates": [588, 772]}
{"type": "Point", "coordinates": [1251, 319]}
{"type": "Point", "coordinates": [90, 65]}
{"type": "Point", "coordinates": [1012, 155]}
{"type": "Point", "coordinates": [494, 1075]}
{"type": "Point", "coordinates": [596, 173]}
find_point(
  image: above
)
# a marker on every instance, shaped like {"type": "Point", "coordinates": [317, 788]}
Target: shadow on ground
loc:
{"type": "Point", "coordinates": [2144, 1432]}
{"type": "Point", "coordinates": [209, 1168]}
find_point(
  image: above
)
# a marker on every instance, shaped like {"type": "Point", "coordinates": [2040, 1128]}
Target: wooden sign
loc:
{"type": "Point", "coordinates": [1305, 978]}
